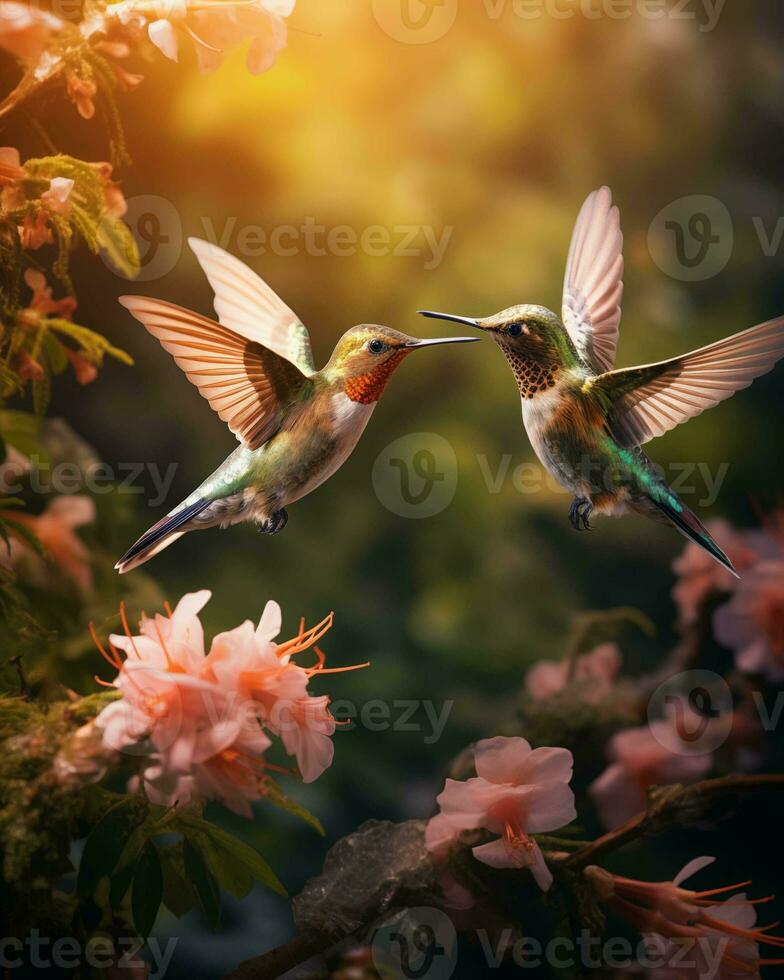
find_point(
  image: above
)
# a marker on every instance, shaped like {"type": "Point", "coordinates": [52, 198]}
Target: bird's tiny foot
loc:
{"type": "Point", "coordinates": [579, 513]}
{"type": "Point", "coordinates": [275, 522]}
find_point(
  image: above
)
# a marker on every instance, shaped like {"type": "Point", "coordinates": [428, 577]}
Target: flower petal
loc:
{"type": "Point", "coordinates": [164, 37]}
{"type": "Point", "coordinates": [500, 759]}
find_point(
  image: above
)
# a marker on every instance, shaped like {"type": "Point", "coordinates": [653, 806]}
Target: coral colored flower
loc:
{"type": "Point", "coordinates": [10, 167]}
{"type": "Point", "coordinates": [26, 30]}
{"type": "Point", "coordinates": [692, 936]}
{"type": "Point", "coordinates": [651, 755]}
{"type": "Point", "coordinates": [595, 671]}
{"type": "Point", "coordinates": [207, 715]}
{"type": "Point", "coordinates": [35, 231]}
{"type": "Point", "coordinates": [86, 372]}
{"type": "Point", "coordinates": [116, 205]}
{"type": "Point", "coordinates": [752, 622]}
{"type": "Point", "coordinates": [700, 576]}
{"type": "Point", "coordinates": [518, 791]}
{"type": "Point", "coordinates": [81, 91]}
{"type": "Point", "coordinates": [56, 528]}
{"type": "Point", "coordinates": [27, 367]}
{"type": "Point", "coordinates": [41, 302]}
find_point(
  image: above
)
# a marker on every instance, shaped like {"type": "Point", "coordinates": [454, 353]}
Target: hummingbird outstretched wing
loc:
{"type": "Point", "coordinates": [593, 283]}
{"type": "Point", "coordinates": [248, 385]}
{"type": "Point", "coordinates": [650, 400]}
{"type": "Point", "coordinates": [246, 304]}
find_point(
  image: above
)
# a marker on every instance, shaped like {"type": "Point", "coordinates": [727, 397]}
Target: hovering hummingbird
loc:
{"type": "Point", "coordinates": [296, 425]}
{"type": "Point", "coordinates": [587, 421]}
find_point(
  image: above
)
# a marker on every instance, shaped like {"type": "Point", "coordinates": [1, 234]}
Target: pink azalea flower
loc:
{"type": "Point", "coordinates": [56, 528]}
{"type": "Point", "coordinates": [595, 671]}
{"type": "Point", "coordinates": [518, 791]}
{"type": "Point", "coordinates": [651, 755]}
{"type": "Point", "coordinates": [207, 715]}
{"type": "Point", "coordinates": [690, 935]}
{"type": "Point", "coordinates": [26, 30]}
{"type": "Point", "coordinates": [700, 576]}
{"type": "Point", "coordinates": [752, 622]}
{"type": "Point", "coordinates": [215, 26]}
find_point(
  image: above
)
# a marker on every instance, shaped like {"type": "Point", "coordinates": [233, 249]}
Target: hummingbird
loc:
{"type": "Point", "coordinates": [296, 425]}
{"type": "Point", "coordinates": [587, 420]}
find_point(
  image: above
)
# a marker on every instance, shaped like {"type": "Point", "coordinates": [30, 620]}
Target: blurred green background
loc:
{"type": "Point", "coordinates": [494, 132]}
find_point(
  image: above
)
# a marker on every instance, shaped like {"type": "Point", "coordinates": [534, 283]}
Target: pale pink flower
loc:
{"type": "Point", "coordinates": [26, 30]}
{"type": "Point", "coordinates": [440, 836]}
{"type": "Point", "coordinates": [56, 529]}
{"type": "Point", "coordinates": [56, 198]}
{"type": "Point", "coordinates": [700, 575]}
{"type": "Point", "coordinates": [691, 937]}
{"type": "Point", "coordinates": [594, 672]}
{"type": "Point", "coordinates": [518, 791]}
{"type": "Point", "coordinates": [652, 755]}
{"type": "Point", "coordinates": [752, 622]}
{"type": "Point", "coordinates": [215, 26]}
{"type": "Point", "coordinates": [207, 715]}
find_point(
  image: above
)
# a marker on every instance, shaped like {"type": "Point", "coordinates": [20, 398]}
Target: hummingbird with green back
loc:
{"type": "Point", "coordinates": [587, 420]}
{"type": "Point", "coordinates": [296, 425]}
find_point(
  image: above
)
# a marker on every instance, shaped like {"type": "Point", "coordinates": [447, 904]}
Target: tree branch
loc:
{"type": "Point", "coordinates": [665, 809]}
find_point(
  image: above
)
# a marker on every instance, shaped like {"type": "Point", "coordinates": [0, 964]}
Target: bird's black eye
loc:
{"type": "Point", "coordinates": [515, 329]}
{"type": "Point", "coordinates": [376, 346]}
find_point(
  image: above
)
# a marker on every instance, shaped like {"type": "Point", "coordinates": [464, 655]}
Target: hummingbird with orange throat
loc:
{"type": "Point", "coordinates": [587, 420]}
{"type": "Point", "coordinates": [296, 425]}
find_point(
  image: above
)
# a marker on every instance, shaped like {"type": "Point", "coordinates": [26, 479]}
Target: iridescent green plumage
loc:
{"type": "Point", "coordinates": [586, 421]}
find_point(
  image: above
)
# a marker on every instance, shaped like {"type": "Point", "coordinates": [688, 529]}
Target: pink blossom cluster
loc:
{"type": "Point", "coordinates": [750, 620]}
{"type": "Point", "coordinates": [200, 721]}
{"type": "Point", "coordinates": [690, 932]}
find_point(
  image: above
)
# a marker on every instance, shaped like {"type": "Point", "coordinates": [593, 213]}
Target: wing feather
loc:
{"type": "Point", "coordinates": [650, 400]}
{"type": "Point", "coordinates": [247, 385]}
{"type": "Point", "coordinates": [247, 305]}
{"type": "Point", "coordinates": [593, 283]}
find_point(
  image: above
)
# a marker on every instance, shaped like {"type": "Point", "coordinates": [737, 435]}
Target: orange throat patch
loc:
{"type": "Point", "coordinates": [367, 388]}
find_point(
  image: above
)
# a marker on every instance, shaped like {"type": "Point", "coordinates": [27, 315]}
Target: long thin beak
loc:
{"type": "Point", "coordinates": [450, 316]}
{"type": "Point", "coordinates": [413, 344]}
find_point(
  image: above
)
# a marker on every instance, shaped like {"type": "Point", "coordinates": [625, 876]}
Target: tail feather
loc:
{"type": "Point", "coordinates": [159, 536]}
{"type": "Point", "coordinates": [691, 527]}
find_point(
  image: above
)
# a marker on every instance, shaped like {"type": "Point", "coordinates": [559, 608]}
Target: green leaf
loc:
{"type": "Point", "coordinates": [20, 429]}
{"type": "Point", "coordinates": [54, 351]}
{"type": "Point", "coordinates": [23, 532]}
{"type": "Point", "coordinates": [232, 846]}
{"type": "Point", "coordinates": [106, 842]}
{"type": "Point", "coordinates": [126, 865]}
{"type": "Point", "coordinates": [42, 395]}
{"type": "Point", "coordinates": [275, 795]}
{"type": "Point", "coordinates": [179, 896]}
{"type": "Point", "coordinates": [203, 881]}
{"type": "Point", "coordinates": [119, 246]}
{"type": "Point", "coordinates": [147, 890]}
